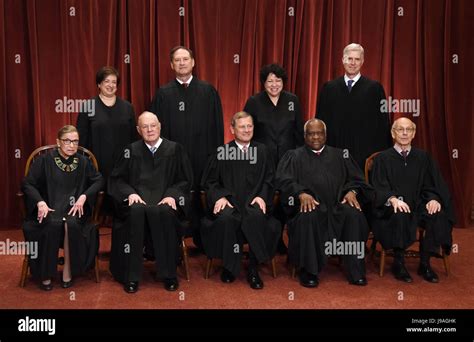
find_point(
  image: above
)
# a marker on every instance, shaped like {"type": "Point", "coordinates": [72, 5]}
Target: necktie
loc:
{"type": "Point", "coordinates": [404, 155]}
{"type": "Point", "coordinates": [349, 85]}
{"type": "Point", "coordinates": [185, 85]}
{"type": "Point", "coordinates": [318, 153]}
{"type": "Point", "coordinates": [245, 149]}
{"type": "Point", "coordinates": [153, 149]}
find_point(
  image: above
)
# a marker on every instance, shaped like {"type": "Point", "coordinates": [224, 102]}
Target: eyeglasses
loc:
{"type": "Point", "coordinates": [69, 142]}
{"type": "Point", "coordinates": [401, 130]}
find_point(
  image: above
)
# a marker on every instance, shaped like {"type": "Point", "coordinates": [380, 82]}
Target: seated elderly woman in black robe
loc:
{"type": "Point", "coordinates": [60, 191]}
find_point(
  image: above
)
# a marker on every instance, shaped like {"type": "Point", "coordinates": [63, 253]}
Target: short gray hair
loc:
{"type": "Point", "coordinates": [315, 120]}
{"type": "Point", "coordinates": [353, 47]}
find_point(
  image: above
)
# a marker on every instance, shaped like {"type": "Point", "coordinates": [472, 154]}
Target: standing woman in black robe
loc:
{"type": "Point", "coordinates": [60, 191]}
{"type": "Point", "coordinates": [109, 127]}
{"type": "Point", "coordinates": [278, 120]}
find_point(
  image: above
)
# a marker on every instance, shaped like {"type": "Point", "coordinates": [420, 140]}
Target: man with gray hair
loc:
{"type": "Point", "coordinates": [350, 105]}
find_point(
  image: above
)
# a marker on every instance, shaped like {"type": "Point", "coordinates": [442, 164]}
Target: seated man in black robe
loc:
{"type": "Point", "coordinates": [60, 192]}
{"type": "Point", "coordinates": [238, 183]}
{"type": "Point", "coordinates": [410, 192]}
{"type": "Point", "coordinates": [321, 187]}
{"type": "Point", "coordinates": [151, 183]}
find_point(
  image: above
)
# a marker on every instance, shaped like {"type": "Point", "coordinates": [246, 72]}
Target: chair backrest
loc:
{"type": "Point", "coordinates": [47, 148]}
{"type": "Point", "coordinates": [369, 162]}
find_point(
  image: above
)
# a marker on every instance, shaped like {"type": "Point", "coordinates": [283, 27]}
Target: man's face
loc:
{"type": "Point", "coordinates": [353, 62]}
{"type": "Point", "coordinates": [68, 143]}
{"type": "Point", "coordinates": [315, 137]}
{"type": "Point", "coordinates": [403, 133]}
{"type": "Point", "coordinates": [243, 130]}
{"type": "Point", "coordinates": [182, 63]}
{"type": "Point", "coordinates": [149, 128]}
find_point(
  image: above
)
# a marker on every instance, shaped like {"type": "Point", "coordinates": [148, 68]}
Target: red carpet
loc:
{"type": "Point", "coordinates": [453, 292]}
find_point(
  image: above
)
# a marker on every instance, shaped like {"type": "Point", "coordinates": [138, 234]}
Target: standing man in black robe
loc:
{"type": "Point", "coordinates": [410, 192]}
{"type": "Point", "coordinates": [151, 182]}
{"type": "Point", "coordinates": [351, 108]}
{"type": "Point", "coordinates": [238, 182]}
{"type": "Point", "coordinates": [321, 189]}
{"type": "Point", "coordinates": [190, 111]}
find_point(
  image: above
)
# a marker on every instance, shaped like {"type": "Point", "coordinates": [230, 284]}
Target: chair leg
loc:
{"type": "Point", "coordinates": [293, 272]}
{"type": "Point", "coordinates": [185, 258]}
{"type": "Point", "coordinates": [274, 272]}
{"type": "Point", "coordinates": [446, 263]}
{"type": "Point", "coordinates": [208, 268]}
{"type": "Point", "coordinates": [382, 262]}
{"type": "Point", "coordinates": [96, 269]}
{"type": "Point", "coordinates": [24, 271]}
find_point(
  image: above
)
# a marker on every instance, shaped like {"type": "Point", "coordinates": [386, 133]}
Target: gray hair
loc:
{"type": "Point", "coordinates": [353, 47]}
{"type": "Point", "coordinates": [314, 120]}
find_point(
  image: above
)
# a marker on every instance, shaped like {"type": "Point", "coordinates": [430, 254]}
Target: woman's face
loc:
{"type": "Point", "coordinates": [68, 143]}
{"type": "Point", "coordinates": [273, 85]}
{"type": "Point", "coordinates": [108, 87]}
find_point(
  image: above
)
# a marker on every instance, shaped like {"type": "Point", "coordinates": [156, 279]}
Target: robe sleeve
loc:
{"type": "Point", "coordinates": [133, 126]}
{"type": "Point", "coordinates": [83, 129]}
{"type": "Point", "coordinates": [118, 186]}
{"type": "Point", "coordinates": [95, 183]}
{"type": "Point", "coordinates": [381, 184]}
{"type": "Point", "coordinates": [322, 105]}
{"type": "Point", "coordinates": [286, 178]}
{"type": "Point", "coordinates": [218, 130]}
{"type": "Point", "coordinates": [210, 182]}
{"type": "Point", "coordinates": [157, 107]}
{"type": "Point", "coordinates": [355, 181]}
{"type": "Point", "coordinates": [299, 131]}
{"type": "Point", "coordinates": [267, 191]}
{"type": "Point", "coordinates": [183, 179]}
{"type": "Point", "coordinates": [32, 184]}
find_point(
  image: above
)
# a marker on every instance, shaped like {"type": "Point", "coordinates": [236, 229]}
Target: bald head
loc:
{"type": "Point", "coordinates": [149, 127]}
{"type": "Point", "coordinates": [315, 134]}
{"type": "Point", "coordinates": [403, 122]}
{"type": "Point", "coordinates": [403, 132]}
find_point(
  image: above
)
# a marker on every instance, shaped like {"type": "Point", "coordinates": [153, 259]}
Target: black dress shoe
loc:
{"type": "Point", "coordinates": [401, 273]}
{"type": "Point", "coordinates": [227, 276]}
{"type": "Point", "coordinates": [66, 284]}
{"type": "Point", "coordinates": [131, 287]}
{"type": "Point", "coordinates": [171, 284]}
{"type": "Point", "coordinates": [46, 287]}
{"type": "Point", "coordinates": [308, 279]}
{"type": "Point", "coordinates": [361, 282]}
{"type": "Point", "coordinates": [254, 280]}
{"type": "Point", "coordinates": [427, 273]}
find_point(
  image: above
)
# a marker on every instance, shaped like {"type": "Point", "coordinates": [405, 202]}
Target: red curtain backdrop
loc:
{"type": "Point", "coordinates": [418, 49]}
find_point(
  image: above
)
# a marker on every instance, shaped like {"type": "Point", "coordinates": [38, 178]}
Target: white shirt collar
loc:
{"type": "Point", "coordinates": [158, 143]}
{"type": "Point", "coordinates": [188, 81]}
{"type": "Point", "coordinates": [319, 151]}
{"type": "Point", "coordinates": [399, 149]}
{"type": "Point", "coordinates": [241, 146]}
{"type": "Point", "coordinates": [355, 79]}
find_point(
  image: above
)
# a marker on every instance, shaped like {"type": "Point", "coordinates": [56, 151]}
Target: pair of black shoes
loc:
{"type": "Point", "coordinates": [254, 279]}
{"type": "Point", "coordinates": [308, 279]}
{"type": "Point", "coordinates": [401, 273]}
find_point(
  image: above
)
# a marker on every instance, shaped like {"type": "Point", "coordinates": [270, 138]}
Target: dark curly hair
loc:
{"type": "Point", "coordinates": [272, 69]}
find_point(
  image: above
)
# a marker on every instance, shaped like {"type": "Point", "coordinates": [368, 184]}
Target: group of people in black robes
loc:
{"type": "Point", "coordinates": [323, 193]}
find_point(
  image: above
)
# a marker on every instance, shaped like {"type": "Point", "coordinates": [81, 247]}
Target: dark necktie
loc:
{"type": "Point", "coordinates": [349, 85]}
{"type": "Point", "coordinates": [404, 155]}
{"type": "Point", "coordinates": [185, 85]}
{"type": "Point", "coordinates": [318, 153]}
{"type": "Point", "coordinates": [245, 149]}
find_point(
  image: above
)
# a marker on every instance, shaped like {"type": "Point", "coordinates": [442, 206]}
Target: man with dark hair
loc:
{"type": "Point", "coordinates": [410, 192]}
{"type": "Point", "coordinates": [238, 182]}
{"type": "Point", "coordinates": [190, 111]}
{"type": "Point", "coordinates": [323, 189]}
{"type": "Point", "coordinates": [351, 108]}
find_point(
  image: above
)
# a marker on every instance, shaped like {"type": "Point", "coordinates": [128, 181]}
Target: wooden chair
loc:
{"type": "Point", "coordinates": [209, 260]}
{"type": "Point", "coordinates": [95, 215]}
{"type": "Point", "coordinates": [420, 232]}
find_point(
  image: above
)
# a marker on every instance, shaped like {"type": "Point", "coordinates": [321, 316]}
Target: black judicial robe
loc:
{"type": "Point", "coordinates": [47, 182]}
{"type": "Point", "coordinates": [279, 127]}
{"type": "Point", "coordinates": [327, 177]}
{"type": "Point", "coordinates": [191, 117]}
{"type": "Point", "coordinates": [240, 182]}
{"type": "Point", "coordinates": [167, 173]}
{"type": "Point", "coordinates": [107, 131]}
{"type": "Point", "coordinates": [354, 120]}
{"type": "Point", "coordinates": [416, 181]}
